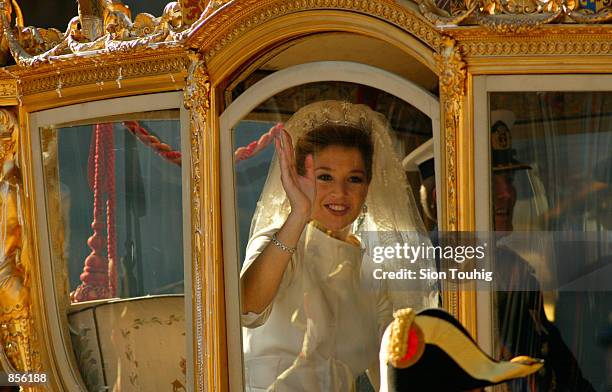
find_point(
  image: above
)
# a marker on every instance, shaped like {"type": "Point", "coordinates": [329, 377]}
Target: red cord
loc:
{"type": "Point", "coordinates": [99, 277]}
{"type": "Point", "coordinates": [162, 149]}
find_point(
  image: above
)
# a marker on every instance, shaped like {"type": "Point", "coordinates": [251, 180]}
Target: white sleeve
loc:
{"type": "Point", "coordinates": [256, 245]}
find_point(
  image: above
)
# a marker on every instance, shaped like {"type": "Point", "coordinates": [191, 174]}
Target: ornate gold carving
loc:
{"type": "Point", "coordinates": [440, 17]}
{"type": "Point", "coordinates": [197, 101]}
{"type": "Point", "coordinates": [513, 16]}
{"type": "Point", "coordinates": [452, 74]}
{"type": "Point", "coordinates": [17, 336]}
{"type": "Point", "coordinates": [568, 41]}
{"type": "Point", "coordinates": [192, 9]}
{"type": "Point", "coordinates": [113, 69]}
{"type": "Point", "coordinates": [99, 26]}
{"type": "Point", "coordinates": [237, 17]}
{"type": "Point", "coordinates": [8, 89]}
{"type": "Point", "coordinates": [212, 6]}
{"type": "Point", "coordinates": [4, 48]}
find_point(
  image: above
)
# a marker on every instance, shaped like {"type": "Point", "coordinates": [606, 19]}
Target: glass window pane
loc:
{"type": "Point", "coordinates": [334, 313]}
{"type": "Point", "coordinates": [551, 177]}
{"type": "Point", "coordinates": [113, 190]}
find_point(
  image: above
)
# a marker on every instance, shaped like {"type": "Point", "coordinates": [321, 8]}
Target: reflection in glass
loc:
{"type": "Point", "coordinates": [113, 192]}
{"type": "Point", "coordinates": [305, 311]}
{"type": "Point", "coordinates": [552, 171]}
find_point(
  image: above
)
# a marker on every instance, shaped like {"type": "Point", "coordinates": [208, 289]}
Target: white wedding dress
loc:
{"type": "Point", "coordinates": [323, 328]}
{"type": "Point", "coordinates": [327, 344]}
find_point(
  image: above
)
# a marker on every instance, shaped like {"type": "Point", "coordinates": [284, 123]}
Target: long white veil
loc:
{"type": "Point", "coordinates": [392, 216]}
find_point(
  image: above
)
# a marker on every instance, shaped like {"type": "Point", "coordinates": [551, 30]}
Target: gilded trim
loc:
{"type": "Point", "coordinates": [452, 73]}
{"type": "Point", "coordinates": [8, 92]}
{"type": "Point", "coordinates": [19, 351]}
{"type": "Point", "coordinates": [86, 79]}
{"type": "Point", "coordinates": [239, 17]}
{"type": "Point", "coordinates": [554, 41]}
{"type": "Point", "coordinates": [456, 139]}
{"type": "Point", "coordinates": [197, 101]}
{"type": "Point", "coordinates": [104, 69]}
{"type": "Point", "coordinates": [209, 306]}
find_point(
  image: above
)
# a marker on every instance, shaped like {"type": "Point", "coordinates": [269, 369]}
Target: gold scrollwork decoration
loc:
{"type": "Point", "coordinates": [8, 88]}
{"type": "Point", "coordinates": [100, 26]}
{"type": "Point", "coordinates": [605, 15]}
{"type": "Point", "coordinates": [18, 350]}
{"type": "Point", "coordinates": [197, 101]}
{"type": "Point", "coordinates": [440, 17]}
{"type": "Point", "coordinates": [239, 17]}
{"type": "Point", "coordinates": [512, 16]}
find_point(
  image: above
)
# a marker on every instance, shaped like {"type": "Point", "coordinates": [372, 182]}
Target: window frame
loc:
{"type": "Point", "coordinates": [483, 85]}
{"type": "Point", "coordinates": [53, 306]}
{"type": "Point", "coordinates": [320, 71]}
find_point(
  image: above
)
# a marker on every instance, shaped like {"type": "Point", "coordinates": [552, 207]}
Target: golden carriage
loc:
{"type": "Point", "coordinates": [171, 97]}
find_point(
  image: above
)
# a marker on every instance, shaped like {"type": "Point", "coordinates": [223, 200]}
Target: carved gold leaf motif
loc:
{"type": "Point", "coordinates": [99, 27]}
{"type": "Point", "coordinates": [513, 16]}
{"type": "Point", "coordinates": [18, 351]}
{"type": "Point", "coordinates": [452, 74]}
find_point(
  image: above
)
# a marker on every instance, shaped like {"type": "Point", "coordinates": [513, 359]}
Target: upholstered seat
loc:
{"type": "Point", "coordinates": [136, 344]}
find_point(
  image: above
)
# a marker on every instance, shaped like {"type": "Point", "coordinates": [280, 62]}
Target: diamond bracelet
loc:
{"type": "Point", "coordinates": [284, 247]}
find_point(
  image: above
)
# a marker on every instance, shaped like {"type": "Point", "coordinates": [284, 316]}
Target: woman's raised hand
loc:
{"type": "Point", "coordinates": [300, 189]}
{"type": "Point", "coordinates": [261, 280]}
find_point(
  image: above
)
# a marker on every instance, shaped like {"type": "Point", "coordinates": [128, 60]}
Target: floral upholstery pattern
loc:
{"type": "Point", "coordinates": [136, 344]}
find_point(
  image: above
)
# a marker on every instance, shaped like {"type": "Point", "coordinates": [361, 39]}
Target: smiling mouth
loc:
{"type": "Point", "coordinates": [337, 209]}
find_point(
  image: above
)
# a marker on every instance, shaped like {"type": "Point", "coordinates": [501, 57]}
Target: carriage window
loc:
{"type": "Point", "coordinates": [317, 168]}
{"type": "Point", "coordinates": [113, 192]}
{"type": "Point", "coordinates": [411, 128]}
{"type": "Point", "coordinates": [551, 191]}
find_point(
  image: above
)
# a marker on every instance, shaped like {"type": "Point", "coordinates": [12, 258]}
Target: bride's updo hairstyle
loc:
{"type": "Point", "coordinates": [328, 135]}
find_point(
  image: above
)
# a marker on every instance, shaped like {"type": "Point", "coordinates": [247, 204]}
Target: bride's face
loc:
{"type": "Point", "coordinates": [341, 186]}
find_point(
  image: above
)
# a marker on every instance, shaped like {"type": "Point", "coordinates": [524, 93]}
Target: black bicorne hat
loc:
{"type": "Point", "coordinates": [431, 351]}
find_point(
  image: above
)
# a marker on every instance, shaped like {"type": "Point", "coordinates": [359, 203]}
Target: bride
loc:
{"type": "Point", "coordinates": [313, 316]}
